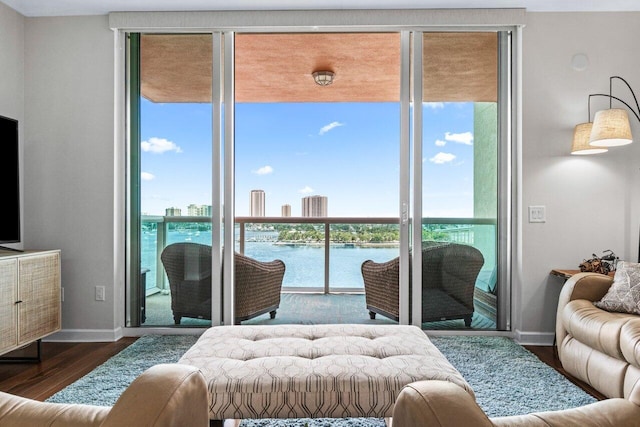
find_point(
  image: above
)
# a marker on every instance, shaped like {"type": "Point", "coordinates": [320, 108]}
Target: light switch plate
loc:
{"type": "Point", "coordinates": [537, 214]}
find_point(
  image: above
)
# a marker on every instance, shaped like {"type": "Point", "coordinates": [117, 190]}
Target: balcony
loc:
{"type": "Point", "coordinates": [323, 255]}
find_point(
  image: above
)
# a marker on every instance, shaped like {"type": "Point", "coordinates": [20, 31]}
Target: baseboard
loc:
{"type": "Point", "coordinates": [85, 335]}
{"type": "Point", "coordinates": [138, 332]}
{"type": "Point", "coordinates": [534, 338]}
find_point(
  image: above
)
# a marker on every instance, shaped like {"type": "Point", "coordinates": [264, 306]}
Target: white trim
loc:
{"type": "Point", "coordinates": [216, 177]}
{"type": "Point", "coordinates": [516, 248]}
{"type": "Point", "coordinates": [120, 149]}
{"type": "Point", "coordinates": [468, 332]}
{"type": "Point", "coordinates": [405, 179]}
{"type": "Point", "coordinates": [534, 338]}
{"type": "Point", "coordinates": [228, 293]}
{"type": "Point", "coordinates": [141, 331]}
{"type": "Point", "coordinates": [303, 20]}
{"type": "Point", "coordinates": [416, 178]}
{"type": "Point", "coordinates": [506, 184]}
{"type": "Point", "coordinates": [86, 335]}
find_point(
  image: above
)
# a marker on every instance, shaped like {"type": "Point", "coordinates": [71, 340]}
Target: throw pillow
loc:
{"type": "Point", "coordinates": [624, 294]}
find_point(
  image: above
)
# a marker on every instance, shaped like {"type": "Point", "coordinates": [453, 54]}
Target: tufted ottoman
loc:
{"type": "Point", "coordinates": [298, 371]}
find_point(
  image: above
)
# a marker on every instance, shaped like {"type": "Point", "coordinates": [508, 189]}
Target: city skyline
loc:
{"type": "Point", "coordinates": [348, 152]}
{"type": "Point", "coordinates": [311, 206]}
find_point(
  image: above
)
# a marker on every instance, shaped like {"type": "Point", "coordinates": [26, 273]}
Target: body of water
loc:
{"type": "Point", "coordinates": [304, 263]}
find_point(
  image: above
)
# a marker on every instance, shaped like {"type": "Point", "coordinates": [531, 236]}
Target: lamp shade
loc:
{"type": "Point", "coordinates": [580, 145]}
{"type": "Point", "coordinates": [611, 128]}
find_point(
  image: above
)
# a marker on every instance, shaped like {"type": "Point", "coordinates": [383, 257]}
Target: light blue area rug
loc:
{"type": "Point", "coordinates": [507, 378]}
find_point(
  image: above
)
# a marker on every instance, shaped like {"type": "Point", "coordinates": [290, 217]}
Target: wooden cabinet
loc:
{"type": "Point", "coordinates": [29, 297]}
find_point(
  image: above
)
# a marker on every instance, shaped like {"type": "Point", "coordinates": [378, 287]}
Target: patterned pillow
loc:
{"type": "Point", "coordinates": [624, 294]}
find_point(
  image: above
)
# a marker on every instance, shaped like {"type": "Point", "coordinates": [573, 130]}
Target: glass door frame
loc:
{"type": "Point", "coordinates": [507, 162]}
{"type": "Point", "coordinates": [410, 208]}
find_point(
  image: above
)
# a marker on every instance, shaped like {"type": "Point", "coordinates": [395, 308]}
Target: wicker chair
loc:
{"type": "Point", "coordinates": [449, 272]}
{"type": "Point", "coordinates": [188, 266]}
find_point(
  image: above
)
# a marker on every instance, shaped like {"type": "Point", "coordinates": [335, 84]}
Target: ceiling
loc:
{"type": "Point", "coordinates": [458, 67]}
{"type": "Point", "coordinates": [101, 7]}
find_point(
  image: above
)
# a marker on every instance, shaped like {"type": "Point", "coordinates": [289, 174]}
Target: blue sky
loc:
{"type": "Point", "coordinates": [348, 152]}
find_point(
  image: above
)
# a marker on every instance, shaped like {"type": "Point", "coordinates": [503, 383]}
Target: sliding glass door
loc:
{"type": "Point", "coordinates": [460, 145]}
{"type": "Point", "coordinates": [316, 166]}
{"type": "Point", "coordinates": [237, 145]}
{"type": "Point", "coordinates": [172, 179]}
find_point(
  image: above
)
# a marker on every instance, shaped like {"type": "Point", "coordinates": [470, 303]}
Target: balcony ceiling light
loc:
{"type": "Point", "coordinates": [323, 77]}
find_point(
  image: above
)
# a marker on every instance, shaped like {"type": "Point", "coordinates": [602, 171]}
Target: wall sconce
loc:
{"type": "Point", "coordinates": [323, 78]}
{"type": "Point", "coordinates": [610, 127]}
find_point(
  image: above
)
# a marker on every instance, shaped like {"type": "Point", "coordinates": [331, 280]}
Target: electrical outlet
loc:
{"type": "Point", "coordinates": [537, 214]}
{"type": "Point", "coordinates": [100, 293]}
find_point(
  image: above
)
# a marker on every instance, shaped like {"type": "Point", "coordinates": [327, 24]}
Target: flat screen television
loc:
{"type": "Point", "coordinates": [9, 181]}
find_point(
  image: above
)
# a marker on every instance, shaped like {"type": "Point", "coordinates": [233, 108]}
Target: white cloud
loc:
{"type": "Point", "coordinates": [265, 170]}
{"type": "Point", "coordinates": [305, 190]}
{"type": "Point", "coordinates": [159, 145]}
{"type": "Point", "coordinates": [328, 127]}
{"type": "Point", "coordinates": [433, 105]}
{"type": "Point", "coordinates": [440, 143]}
{"type": "Point", "coordinates": [146, 176]}
{"type": "Point", "coordinates": [465, 138]}
{"type": "Point", "coordinates": [442, 158]}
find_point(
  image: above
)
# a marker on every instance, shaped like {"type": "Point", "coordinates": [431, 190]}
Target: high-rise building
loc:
{"type": "Point", "coordinates": [199, 210]}
{"type": "Point", "coordinates": [257, 203]}
{"type": "Point", "coordinates": [173, 212]}
{"type": "Point", "coordinates": [316, 206]}
{"type": "Point", "coordinates": [286, 210]}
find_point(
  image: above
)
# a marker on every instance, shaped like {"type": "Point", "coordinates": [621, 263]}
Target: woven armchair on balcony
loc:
{"type": "Point", "coordinates": [188, 266]}
{"type": "Point", "coordinates": [449, 272]}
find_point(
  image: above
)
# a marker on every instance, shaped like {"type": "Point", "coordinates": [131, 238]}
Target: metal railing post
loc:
{"type": "Point", "coordinates": [327, 236]}
{"type": "Point", "coordinates": [242, 226]}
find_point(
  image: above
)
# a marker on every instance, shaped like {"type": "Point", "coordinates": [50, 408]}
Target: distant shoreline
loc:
{"type": "Point", "coordinates": [340, 244]}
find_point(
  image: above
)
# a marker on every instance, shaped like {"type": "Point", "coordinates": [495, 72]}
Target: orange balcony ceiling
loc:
{"type": "Point", "coordinates": [277, 67]}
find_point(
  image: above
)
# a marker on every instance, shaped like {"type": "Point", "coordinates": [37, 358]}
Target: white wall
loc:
{"type": "Point", "coordinates": [69, 173]}
{"type": "Point", "coordinates": [591, 202]}
{"type": "Point", "coordinates": [11, 63]}
{"type": "Point", "coordinates": [12, 74]}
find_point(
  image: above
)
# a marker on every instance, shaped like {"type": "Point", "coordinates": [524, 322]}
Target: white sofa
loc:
{"type": "Point", "coordinates": [598, 347]}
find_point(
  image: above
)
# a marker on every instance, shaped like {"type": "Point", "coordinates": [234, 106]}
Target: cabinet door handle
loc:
{"type": "Point", "coordinates": [19, 301]}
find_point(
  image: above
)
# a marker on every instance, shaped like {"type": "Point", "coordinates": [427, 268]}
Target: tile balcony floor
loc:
{"type": "Point", "coordinates": [307, 308]}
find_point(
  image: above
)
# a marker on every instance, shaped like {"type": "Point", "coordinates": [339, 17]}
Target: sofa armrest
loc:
{"type": "Point", "coordinates": [444, 404]}
{"type": "Point", "coordinates": [17, 411]}
{"type": "Point", "coordinates": [614, 412]}
{"type": "Point", "coordinates": [439, 404]}
{"type": "Point", "coordinates": [588, 286]}
{"type": "Point", "coordinates": [165, 395]}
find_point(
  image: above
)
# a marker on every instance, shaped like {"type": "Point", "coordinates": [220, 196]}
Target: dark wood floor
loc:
{"type": "Point", "coordinates": [64, 363]}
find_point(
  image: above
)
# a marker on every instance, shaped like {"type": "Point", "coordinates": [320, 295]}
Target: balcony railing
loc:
{"type": "Point", "coordinates": [166, 229]}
